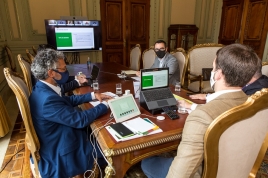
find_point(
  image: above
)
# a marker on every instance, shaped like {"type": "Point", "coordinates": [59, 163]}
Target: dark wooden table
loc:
{"type": "Point", "coordinates": [122, 155]}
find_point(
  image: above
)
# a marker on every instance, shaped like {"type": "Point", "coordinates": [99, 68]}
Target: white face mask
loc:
{"type": "Point", "coordinates": [212, 81]}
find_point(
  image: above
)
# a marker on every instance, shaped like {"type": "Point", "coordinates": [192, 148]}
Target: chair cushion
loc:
{"type": "Point", "coordinates": [194, 86]}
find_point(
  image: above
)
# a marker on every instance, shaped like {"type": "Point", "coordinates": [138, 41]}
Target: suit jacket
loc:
{"type": "Point", "coordinates": [259, 84]}
{"type": "Point", "coordinates": [64, 148]}
{"type": "Point", "coordinates": [190, 151]}
{"type": "Point", "coordinates": [172, 63]}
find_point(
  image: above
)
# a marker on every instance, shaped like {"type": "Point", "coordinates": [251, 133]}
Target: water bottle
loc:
{"type": "Point", "coordinates": [88, 62]}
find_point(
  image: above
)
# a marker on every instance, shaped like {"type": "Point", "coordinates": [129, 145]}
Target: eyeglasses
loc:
{"type": "Point", "coordinates": [159, 49]}
{"type": "Point", "coordinates": [64, 69]}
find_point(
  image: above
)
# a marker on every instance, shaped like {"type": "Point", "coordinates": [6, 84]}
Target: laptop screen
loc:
{"type": "Point", "coordinates": [154, 78]}
{"type": "Point", "coordinates": [124, 108]}
{"type": "Point", "coordinates": [95, 72]}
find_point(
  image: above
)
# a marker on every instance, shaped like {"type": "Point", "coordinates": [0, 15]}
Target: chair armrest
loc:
{"type": "Point", "coordinates": [192, 78]}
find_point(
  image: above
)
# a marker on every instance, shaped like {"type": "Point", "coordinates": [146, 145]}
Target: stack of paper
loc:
{"type": "Point", "coordinates": [140, 127]}
{"type": "Point", "coordinates": [129, 72]}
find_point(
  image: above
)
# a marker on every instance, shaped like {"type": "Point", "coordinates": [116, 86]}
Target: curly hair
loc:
{"type": "Point", "coordinates": [44, 61]}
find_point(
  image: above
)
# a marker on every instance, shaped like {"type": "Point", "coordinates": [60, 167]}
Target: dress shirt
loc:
{"type": "Point", "coordinates": [161, 61]}
{"type": "Point", "coordinates": [212, 96]}
{"type": "Point", "coordinates": [57, 89]}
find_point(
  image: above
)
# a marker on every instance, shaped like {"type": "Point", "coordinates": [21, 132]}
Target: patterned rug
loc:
{"type": "Point", "coordinates": [18, 167]}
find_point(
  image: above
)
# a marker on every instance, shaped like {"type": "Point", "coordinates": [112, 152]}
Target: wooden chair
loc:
{"type": "Point", "coordinates": [29, 55]}
{"type": "Point", "coordinates": [135, 57]}
{"type": "Point", "coordinates": [20, 89]}
{"type": "Point", "coordinates": [264, 68]}
{"type": "Point", "coordinates": [34, 50]}
{"type": "Point", "coordinates": [201, 57]}
{"type": "Point", "coordinates": [148, 57]}
{"type": "Point", "coordinates": [10, 58]}
{"type": "Point", "coordinates": [25, 65]}
{"type": "Point", "coordinates": [236, 141]}
{"type": "Point", "coordinates": [182, 58]}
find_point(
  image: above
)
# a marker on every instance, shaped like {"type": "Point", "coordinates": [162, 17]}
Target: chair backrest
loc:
{"type": "Point", "coordinates": [135, 57]}
{"type": "Point", "coordinates": [34, 50]}
{"type": "Point", "coordinates": [18, 86]}
{"type": "Point", "coordinates": [202, 56]}
{"type": "Point", "coordinates": [10, 58]}
{"type": "Point", "coordinates": [236, 141]}
{"type": "Point", "coordinates": [29, 55]}
{"type": "Point", "coordinates": [26, 70]}
{"type": "Point", "coordinates": [264, 68]}
{"type": "Point", "coordinates": [182, 58]}
{"type": "Point", "coordinates": [148, 57]}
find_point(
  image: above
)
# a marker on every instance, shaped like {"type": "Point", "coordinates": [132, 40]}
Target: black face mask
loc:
{"type": "Point", "coordinates": [160, 54]}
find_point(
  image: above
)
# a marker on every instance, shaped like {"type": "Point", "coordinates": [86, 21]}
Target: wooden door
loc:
{"type": "Point", "coordinates": [124, 24]}
{"type": "Point", "coordinates": [231, 21]}
{"type": "Point", "coordinates": [245, 21]}
{"type": "Point", "coordinates": [255, 25]}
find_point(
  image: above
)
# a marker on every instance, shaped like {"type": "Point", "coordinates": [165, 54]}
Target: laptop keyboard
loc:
{"type": "Point", "coordinates": [159, 94]}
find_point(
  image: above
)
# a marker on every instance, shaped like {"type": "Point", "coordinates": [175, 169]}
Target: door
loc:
{"type": "Point", "coordinates": [231, 21]}
{"type": "Point", "coordinates": [245, 21]}
{"type": "Point", "coordinates": [125, 23]}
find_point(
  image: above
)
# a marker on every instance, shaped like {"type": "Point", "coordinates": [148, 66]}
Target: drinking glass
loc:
{"type": "Point", "coordinates": [181, 108]}
{"type": "Point", "coordinates": [95, 85]}
{"type": "Point", "coordinates": [118, 89]}
{"type": "Point", "coordinates": [178, 86]}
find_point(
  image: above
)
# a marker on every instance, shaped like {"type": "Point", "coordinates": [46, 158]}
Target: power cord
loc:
{"type": "Point", "coordinates": [11, 159]}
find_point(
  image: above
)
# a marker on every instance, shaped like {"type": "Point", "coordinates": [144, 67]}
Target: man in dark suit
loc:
{"type": "Point", "coordinates": [165, 59]}
{"type": "Point", "coordinates": [64, 148]}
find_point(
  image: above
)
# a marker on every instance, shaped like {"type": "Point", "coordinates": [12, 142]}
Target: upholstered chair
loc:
{"type": "Point", "coordinates": [20, 89]}
{"type": "Point", "coordinates": [201, 57]}
{"type": "Point", "coordinates": [236, 141]}
{"type": "Point", "coordinates": [148, 57]}
{"type": "Point", "coordinates": [182, 58]}
{"type": "Point", "coordinates": [264, 69]}
{"type": "Point", "coordinates": [10, 58]}
{"type": "Point", "coordinates": [29, 55]}
{"type": "Point", "coordinates": [135, 57]}
{"type": "Point", "coordinates": [25, 65]}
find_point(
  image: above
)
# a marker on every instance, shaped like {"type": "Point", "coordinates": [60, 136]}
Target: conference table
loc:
{"type": "Point", "coordinates": [122, 155]}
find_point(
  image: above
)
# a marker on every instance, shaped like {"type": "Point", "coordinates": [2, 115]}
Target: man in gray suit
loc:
{"type": "Point", "coordinates": [227, 79]}
{"type": "Point", "coordinates": [165, 59]}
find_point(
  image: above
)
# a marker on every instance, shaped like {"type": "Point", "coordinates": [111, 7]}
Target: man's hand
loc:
{"type": "Point", "coordinates": [198, 96]}
{"type": "Point", "coordinates": [100, 97]}
{"type": "Point", "coordinates": [184, 104]}
{"type": "Point", "coordinates": [81, 78]}
{"type": "Point", "coordinates": [138, 73]}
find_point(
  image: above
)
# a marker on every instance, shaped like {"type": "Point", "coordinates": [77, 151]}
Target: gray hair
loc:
{"type": "Point", "coordinates": [44, 61]}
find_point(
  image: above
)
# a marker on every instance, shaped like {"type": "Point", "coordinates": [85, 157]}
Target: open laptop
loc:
{"type": "Point", "coordinates": [94, 73]}
{"type": "Point", "coordinates": [155, 93]}
{"type": "Point", "coordinates": [124, 108]}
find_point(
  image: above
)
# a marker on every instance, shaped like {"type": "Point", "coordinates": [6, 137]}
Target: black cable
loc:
{"type": "Point", "coordinates": [11, 159]}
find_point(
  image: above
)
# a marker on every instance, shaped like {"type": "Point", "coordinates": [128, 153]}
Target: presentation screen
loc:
{"type": "Point", "coordinates": [74, 35]}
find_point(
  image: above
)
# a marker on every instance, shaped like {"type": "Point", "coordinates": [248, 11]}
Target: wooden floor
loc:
{"type": "Point", "coordinates": [15, 166]}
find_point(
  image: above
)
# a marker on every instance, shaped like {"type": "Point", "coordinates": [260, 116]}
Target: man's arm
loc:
{"type": "Point", "coordinates": [172, 64]}
{"type": "Point", "coordinates": [190, 152]}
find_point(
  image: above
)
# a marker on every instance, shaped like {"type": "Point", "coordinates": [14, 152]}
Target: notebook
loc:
{"type": "Point", "coordinates": [155, 89]}
{"type": "Point", "coordinates": [124, 108]}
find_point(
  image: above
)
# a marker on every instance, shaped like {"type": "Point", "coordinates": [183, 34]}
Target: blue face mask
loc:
{"type": "Point", "coordinates": [64, 77]}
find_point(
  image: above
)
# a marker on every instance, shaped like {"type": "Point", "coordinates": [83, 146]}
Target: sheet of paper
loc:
{"type": "Point", "coordinates": [181, 98]}
{"type": "Point", "coordinates": [136, 78]}
{"type": "Point", "coordinates": [139, 125]}
{"type": "Point", "coordinates": [129, 72]}
{"type": "Point", "coordinates": [136, 86]}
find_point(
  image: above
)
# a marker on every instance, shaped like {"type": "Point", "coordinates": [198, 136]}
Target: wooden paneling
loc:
{"type": "Point", "coordinates": [245, 21]}
{"type": "Point", "coordinates": [126, 23]}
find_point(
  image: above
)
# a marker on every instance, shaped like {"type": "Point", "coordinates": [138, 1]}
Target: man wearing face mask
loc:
{"type": "Point", "coordinates": [165, 59]}
{"type": "Point", "coordinates": [65, 150]}
{"type": "Point", "coordinates": [257, 83]}
{"type": "Point", "coordinates": [228, 78]}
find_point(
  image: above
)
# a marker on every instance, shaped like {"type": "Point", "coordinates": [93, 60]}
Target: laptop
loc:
{"type": "Point", "coordinates": [124, 108]}
{"type": "Point", "coordinates": [94, 73]}
{"type": "Point", "coordinates": [155, 92]}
